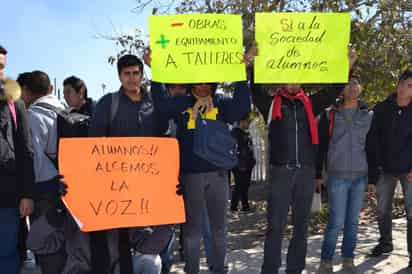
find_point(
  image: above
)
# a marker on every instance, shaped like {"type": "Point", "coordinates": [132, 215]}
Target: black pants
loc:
{"type": "Point", "coordinates": [23, 230]}
{"type": "Point", "coordinates": [241, 189]}
{"type": "Point", "coordinates": [52, 263]}
{"type": "Point", "coordinates": [295, 188]}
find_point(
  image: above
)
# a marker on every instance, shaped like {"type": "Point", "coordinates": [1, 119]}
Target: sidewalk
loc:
{"type": "Point", "coordinates": [248, 261]}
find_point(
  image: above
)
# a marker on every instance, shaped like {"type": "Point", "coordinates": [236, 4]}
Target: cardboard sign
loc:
{"type": "Point", "coordinates": [197, 48]}
{"type": "Point", "coordinates": [121, 182]}
{"type": "Point", "coordinates": [302, 47]}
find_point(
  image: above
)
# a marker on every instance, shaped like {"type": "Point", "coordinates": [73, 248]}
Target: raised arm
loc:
{"type": "Point", "coordinates": [234, 109]}
{"type": "Point", "coordinates": [169, 106]}
{"type": "Point", "coordinates": [329, 94]}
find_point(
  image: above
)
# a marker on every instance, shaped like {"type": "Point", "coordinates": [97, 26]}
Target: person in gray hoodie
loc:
{"type": "Point", "coordinates": [342, 134]}
{"type": "Point", "coordinates": [43, 128]}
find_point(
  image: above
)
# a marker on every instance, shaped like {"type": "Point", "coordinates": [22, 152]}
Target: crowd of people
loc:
{"type": "Point", "coordinates": [328, 133]}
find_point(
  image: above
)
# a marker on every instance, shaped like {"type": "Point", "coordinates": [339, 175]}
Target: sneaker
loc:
{"type": "Point", "coordinates": [30, 262]}
{"type": "Point", "coordinates": [381, 249]}
{"type": "Point", "coordinates": [348, 266]}
{"type": "Point", "coordinates": [325, 268]}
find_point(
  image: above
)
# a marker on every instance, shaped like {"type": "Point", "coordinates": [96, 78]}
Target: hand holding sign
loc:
{"type": "Point", "coordinates": [121, 182]}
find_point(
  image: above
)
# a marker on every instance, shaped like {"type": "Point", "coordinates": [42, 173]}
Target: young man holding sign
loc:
{"type": "Point", "coordinates": [293, 138]}
{"type": "Point", "coordinates": [127, 113]}
{"type": "Point", "coordinates": [204, 183]}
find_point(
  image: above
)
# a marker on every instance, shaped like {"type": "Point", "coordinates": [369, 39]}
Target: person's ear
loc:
{"type": "Point", "coordinates": [82, 93]}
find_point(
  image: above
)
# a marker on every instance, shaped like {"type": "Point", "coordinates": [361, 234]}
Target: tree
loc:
{"type": "Point", "coordinates": [381, 32]}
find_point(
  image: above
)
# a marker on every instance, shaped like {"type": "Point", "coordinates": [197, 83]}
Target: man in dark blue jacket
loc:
{"type": "Point", "coordinates": [205, 185]}
{"type": "Point", "coordinates": [128, 112]}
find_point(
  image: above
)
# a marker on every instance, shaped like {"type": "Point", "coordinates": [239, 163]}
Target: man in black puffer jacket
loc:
{"type": "Point", "coordinates": [293, 140]}
{"type": "Point", "coordinates": [16, 169]}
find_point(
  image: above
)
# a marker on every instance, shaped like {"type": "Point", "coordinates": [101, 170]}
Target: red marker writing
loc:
{"type": "Point", "coordinates": [177, 24]}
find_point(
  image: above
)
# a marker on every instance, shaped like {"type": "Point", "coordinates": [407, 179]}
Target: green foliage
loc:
{"type": "Point", "coordinates": [381, 32]}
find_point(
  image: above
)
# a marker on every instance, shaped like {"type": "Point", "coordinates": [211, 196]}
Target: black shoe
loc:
{"type": "Point", "coordinates": [381, 249]}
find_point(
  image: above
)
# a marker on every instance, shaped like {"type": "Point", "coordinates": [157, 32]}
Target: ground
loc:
{"type": "Point", "coordinates": [246, 236]}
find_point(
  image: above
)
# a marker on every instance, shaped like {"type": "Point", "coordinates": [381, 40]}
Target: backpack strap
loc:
{"type": "Point", "coordinates": [114, 106]}
{"type": "Point", "coordinates": [331, 119]}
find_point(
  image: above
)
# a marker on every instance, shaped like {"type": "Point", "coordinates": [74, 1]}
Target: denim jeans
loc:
{"type": "Point", "coordinates": [207, 238]}
{"type": "Point", "coordinates": [205, 190]}
{"type": "Point", "coordinates": [167, 254]}
{"type": "Point", "coordinates": [9, 229]}
{"type": "Point", "coordinates": [144, 264]}
{"type": "Point", "coordinates": [345, 203]}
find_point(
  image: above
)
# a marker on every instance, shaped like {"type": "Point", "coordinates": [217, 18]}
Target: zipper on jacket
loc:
{"type": "Point", "coordinates": [296, 139]}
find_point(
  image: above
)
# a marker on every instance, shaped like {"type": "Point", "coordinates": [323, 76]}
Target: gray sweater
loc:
{"type": "Point", "coordinates": [344, 151]}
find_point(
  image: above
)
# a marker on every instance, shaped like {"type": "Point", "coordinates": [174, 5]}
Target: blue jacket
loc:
{"type": "Point", "coordinates": [132, 119]}
{"type": "Point", "coordinates": [229, 110]}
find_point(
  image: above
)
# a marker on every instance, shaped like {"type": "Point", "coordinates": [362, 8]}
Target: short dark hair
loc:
{"type": "Point", "coordinates": [39, 83]}
{"type": "Point", "coordinates": [405, 75]}
{"type": "Point", "coordinates": [77, 84]}
{"type": "Point", "coordinates": [213, 87]}
{"type": "Point", "coordinates": [129, 60]}
{"type": "Point", "coordinates": [23, 79]}
{"type": "Point", "coordinates": [3, 50]}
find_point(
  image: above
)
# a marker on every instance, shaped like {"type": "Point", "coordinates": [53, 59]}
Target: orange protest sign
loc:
{"type": "Point", "coordinates": [121, 182]}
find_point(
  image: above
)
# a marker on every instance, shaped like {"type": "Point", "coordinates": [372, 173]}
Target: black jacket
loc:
{"type": "Point", "coordinates": [389, 141]}
{"type": "Point", "coordinates": [16, 176]}
{"type": "Point", "coordinates": [132, 119]}
{"type": "Point", "coordinates": [88, 108]}
{"type": "Point", "coordinates": [289, 138]}
{"type": "Point", "coordinates": [246, 156]}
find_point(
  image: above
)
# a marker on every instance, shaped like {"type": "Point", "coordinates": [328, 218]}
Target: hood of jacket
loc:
{"type": "Point", "coordinates": [11, 90]}
{"type": "Point", "coordinates": [47, 99]}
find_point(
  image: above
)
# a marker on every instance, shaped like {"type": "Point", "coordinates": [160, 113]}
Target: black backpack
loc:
{"type": "Point", "coordinates": [70, 124]}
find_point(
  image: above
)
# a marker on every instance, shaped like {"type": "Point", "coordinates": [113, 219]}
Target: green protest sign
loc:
{"type": "Point", "coordinates": [302, 47]}
{"type": "Point", "coordinates": [196, 48]}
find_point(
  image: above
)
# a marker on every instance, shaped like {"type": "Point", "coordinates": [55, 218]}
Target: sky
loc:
{"type": "Point", "coordinates": [59, 38]}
